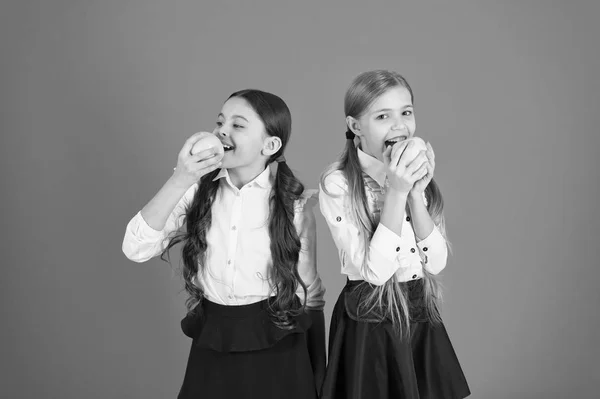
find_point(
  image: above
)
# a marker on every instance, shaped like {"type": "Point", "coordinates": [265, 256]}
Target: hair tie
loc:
{"type": "Point", "coordinates": [280, 159]}
{"type": "Point", "coordinates": [350, 135]}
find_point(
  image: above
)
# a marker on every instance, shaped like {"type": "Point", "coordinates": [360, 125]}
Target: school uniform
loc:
{"type": "Point", "coordinates": [367, 357]}
{"type": "Point", "coordinates": [237, 351]}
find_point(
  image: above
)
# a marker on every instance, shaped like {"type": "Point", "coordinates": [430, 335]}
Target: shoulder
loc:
{"type": "Point", "coordinates": [334, 183]}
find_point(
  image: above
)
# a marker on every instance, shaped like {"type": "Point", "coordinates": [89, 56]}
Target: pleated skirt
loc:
{"type": "Point", "coordinates": [368, 359]}
{"type": "Point", "coordinates": [237, 352]}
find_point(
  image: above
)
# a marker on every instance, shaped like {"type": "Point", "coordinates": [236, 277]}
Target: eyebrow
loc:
{"type": "Point", "coordinates": [390, 109]}
{"type": "Point", "coordinates": [235, 116]}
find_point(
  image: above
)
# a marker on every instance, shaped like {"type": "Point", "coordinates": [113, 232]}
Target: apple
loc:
{"type": "Point", "coordinates": [411, 153]}
{"type": "Point", "coordinates": [206, 141]}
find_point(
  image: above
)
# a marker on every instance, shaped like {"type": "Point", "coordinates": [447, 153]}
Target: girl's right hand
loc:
{"type": "Point", "coordinates": [402, 173]}
{"type": "Point", "coordinates": [190, 168]}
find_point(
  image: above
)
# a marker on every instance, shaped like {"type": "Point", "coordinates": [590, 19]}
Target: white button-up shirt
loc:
{"type": "Point", "coordinates": [238, 257]}
{"type": "Point", "coordinates": [388, 253]}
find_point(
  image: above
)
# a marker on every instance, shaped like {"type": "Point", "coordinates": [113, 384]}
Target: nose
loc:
{"type": "Point", "coordinates": [221, 132]}
{"type": "Point", "coordinates": [399, 125]}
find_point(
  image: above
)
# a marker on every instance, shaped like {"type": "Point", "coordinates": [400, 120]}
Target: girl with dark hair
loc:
{"type": "Point", "coordinates": [385, 213]}
{"type": "Point", "coordinates": [247, 228]}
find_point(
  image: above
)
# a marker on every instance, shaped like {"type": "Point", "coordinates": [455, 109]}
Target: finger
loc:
{"type": "Point", "coordinates": [386, 155]}
{"type": "Point", "coordinates": [205, 154]}
{"type": "Point", "coordinates": [430, 157]}
{"type": "Point", "coordinates": [419, 173]}
{"type": "Point", "coordinates": [429, 154]}
{"type": "Point", "coordinates": [397, 151]}
{"type": "Point", "coordinates": [211, 168]}
{"type": "Point", "coordinates": [416, 163]}
{"type": "Point", "coordinates": [189, 143]}
{"type": "Point", "coordinates": [430, 148]}
{"type": "Point", "coordinates": [430, 170]}
{"type": "Point", "coordinates": [219, 150]}
{"type": "Point", "coordinates": [415, 168]}
{"type": "Point", "coordinates": [205, 163]}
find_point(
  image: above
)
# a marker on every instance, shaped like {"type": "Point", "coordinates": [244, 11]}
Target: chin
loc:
{"type": "Point", "coordinates": [227, 161]}
{"type": "Point", "coordinates": [230, 164]}
{"type": "Point", "coordinates": [225, 165]}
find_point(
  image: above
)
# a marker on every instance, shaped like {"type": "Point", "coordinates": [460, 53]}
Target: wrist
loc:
{"type": "Point", "coordinates": [414, 196]}
{"type": "Point", "coordinates": [178, 182]}
{"type": "Point", "coordinates": [396, 195]}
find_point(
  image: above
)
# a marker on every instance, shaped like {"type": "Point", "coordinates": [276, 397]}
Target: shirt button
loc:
{"type": "Point", "coordinates": [414, 276]}
{"type": "Point", "coordinates": [408, 218]}
{"type": "Point", "coordinates": [397, 249]}
{"type": "Point", "coordinates": [233, 228]}
{"type": "Point", "coordinates": [412, 250]}
{"type": "Point", "coordinates": [230, 296]}
{"type": "Point", "coordinates": [339, 219]}
{"type": "Point", "coordinates": [229, 262]}
{"type": "Point", "coordinates": [424, 248]}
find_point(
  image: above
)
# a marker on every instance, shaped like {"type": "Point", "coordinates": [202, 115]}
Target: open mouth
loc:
{"type": "Point", "coordinates": [394, 140]}
{"type": "Point", "coordinates": [228, 147]}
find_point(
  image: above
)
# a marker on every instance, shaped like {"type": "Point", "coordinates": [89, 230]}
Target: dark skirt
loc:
{"type": "Point", "coordinates": [368, 359]}
{"type": "Point", "coordinates": [237, 352]}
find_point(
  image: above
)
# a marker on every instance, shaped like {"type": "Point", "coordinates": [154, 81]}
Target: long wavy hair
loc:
{"type": "Point", "coordinates": [285, 243]}
{"type": "Point", "coordinates": [391, 298]}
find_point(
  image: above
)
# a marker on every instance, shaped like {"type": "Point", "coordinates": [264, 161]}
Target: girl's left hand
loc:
{"type": "Point", "coordinates": [421, 184]}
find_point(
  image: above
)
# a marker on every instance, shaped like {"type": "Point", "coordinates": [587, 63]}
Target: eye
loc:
{"type": "Point", "coordinates": [407, 113]}
{"type": "Point", "coordinates": [219, 123]}
{"type": "Point", "coordinates": [235, 125]}
{"type": "Point", "coordinates": [381, 117]}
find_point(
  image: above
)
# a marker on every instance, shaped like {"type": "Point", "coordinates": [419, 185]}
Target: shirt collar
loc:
{"type": "Point", "coordinates": [263, 179]}
{"type": "Point", "coordinates": [372, 166]}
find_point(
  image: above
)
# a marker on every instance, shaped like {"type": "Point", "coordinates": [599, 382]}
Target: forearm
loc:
{"type": "Point", "coordinates": [421, 220]}
{"type": "Point", "coordinates": [392, 214]}
{"type": "Point", "coordinates": [158, 209]}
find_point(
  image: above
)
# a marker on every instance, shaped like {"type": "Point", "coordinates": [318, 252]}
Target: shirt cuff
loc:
{"type": "Point", "coordinates": [315, 295]}
{"type": "Point", "coordinates": [389, 244]}
{"type": "Point", "coordinates": [142, 231]}
{"type": "Point", "coordinates": [433, 240]}
{"type": "Point", "coordinates": [435, 251]}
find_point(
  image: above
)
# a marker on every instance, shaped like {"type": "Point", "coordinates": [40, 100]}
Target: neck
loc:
{"type": "Point", "coordinates": [245, 174]}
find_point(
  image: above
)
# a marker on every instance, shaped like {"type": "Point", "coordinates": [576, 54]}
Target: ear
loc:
{"type": "Point", "coordinates": [271, 145]}
{"type": "Point", "coordinates": [353, 125]}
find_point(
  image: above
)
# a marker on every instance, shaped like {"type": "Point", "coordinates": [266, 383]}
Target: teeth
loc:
{"type": "Point", "coordinates": [391, 142]}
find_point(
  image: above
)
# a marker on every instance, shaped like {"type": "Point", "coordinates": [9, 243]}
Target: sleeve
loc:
{"type": "Point", "coordinates": [305, 223]}
{"type": "Point", "coordinates": [434, 250]}
{"type": "Point", "coordinates": [141, 242]}
{"type": "Point", "coordinates": [386, 253]}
